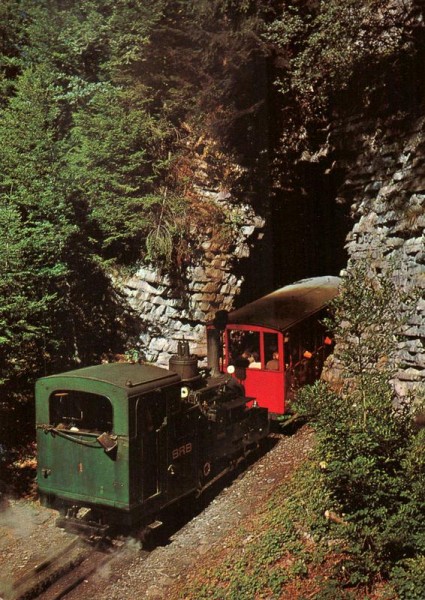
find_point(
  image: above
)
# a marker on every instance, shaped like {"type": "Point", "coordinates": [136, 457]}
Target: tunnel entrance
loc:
{"type": "Point", "coordinates": [304, 235]}
{"type": "Point", "coordinates": [306, 227]}
{"type": "Point", "coordinates": [309, 228]}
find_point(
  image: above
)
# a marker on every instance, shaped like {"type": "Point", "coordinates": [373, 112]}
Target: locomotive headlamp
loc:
{"type": "Point", "coordinates": [230, 369]}
{"type": "Point", "coordinates": [184, 392]}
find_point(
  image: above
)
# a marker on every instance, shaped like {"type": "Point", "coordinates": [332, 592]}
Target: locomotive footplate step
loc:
{"type": "Point", "coordinates": [76, 525]}
{"type": "Point", "coordinates": [154, 525]}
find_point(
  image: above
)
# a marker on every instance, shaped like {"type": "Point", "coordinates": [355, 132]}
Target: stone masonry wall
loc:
{"type": "Point", "coordinates": [175, 307]}
{"type": "Point", "coordinates": [384, 162]}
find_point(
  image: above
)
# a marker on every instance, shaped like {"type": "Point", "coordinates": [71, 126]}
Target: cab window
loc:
{"type": "Point", "coordinates": [272, 359]}
{"type": "Point", "coordinates": [244, 347]}
{"type": "Point", "coordinates": [80, 411]}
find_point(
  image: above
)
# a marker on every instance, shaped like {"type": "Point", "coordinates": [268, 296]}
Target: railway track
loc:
{"type": "Point", "coordinates": [58, 575]}
{"type": "Point", "coordinates": [34, 580]}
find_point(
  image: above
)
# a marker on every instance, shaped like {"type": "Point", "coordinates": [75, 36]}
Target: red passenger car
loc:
{"type": "Point", "coordinates": [276, 344]}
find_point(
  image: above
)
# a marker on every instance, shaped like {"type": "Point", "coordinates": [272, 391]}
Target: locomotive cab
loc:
{"type": "Point", "coordinates": [105, 435]}
{"type": "Point", "coordinates": [123, 441]}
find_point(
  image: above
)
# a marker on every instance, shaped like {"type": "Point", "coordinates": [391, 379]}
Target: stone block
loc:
{"type": "Point", "coordinates": [411, 374]}
{"type": "Point", "coordinates": [209, 288]}
{"type": "Point", "coordinates": [388, 216]}
{"type": "Point", "coordinates": [152, 276]}
{"type": "Point", "coordinates": [195, 298]}
{"type": "Point", "coordinates": [214, 274]}
{"type": "Point", "coordinates": [198, 274]}
{"type": "Point", "coordinates": [158, 311]}
{"type": "Point", "coordinates": [194, 286]}
{"type": "Point", "coordinates": [157, 344]}
{"type": "Point", "coordinates": [242, 251]}
{"type": "Point", "coordinates": [394, 242]}
{"type": "Point", "coordinates": [209, 297]}
{"type": "Point", "coordinates": [247, 230]}
{"type": "Point", "coordinates": [414, 245]}
{"type": "Point", "coordinates": [399, 175]}
{"type": "Point", "coordinates": [417, 198]}
{"type": "Point", "coordinates": [404, 157]}
{"type": "Point", "coordinates": [402, 388]}
{"type": "Point", "coordinates": [414, 331]}
{"type": "Point", "coordinates": [374, 186]}
{"type": "Point", "coordinates": [171, 312]}
{"type": "Point", "coordinates": [198, 315]}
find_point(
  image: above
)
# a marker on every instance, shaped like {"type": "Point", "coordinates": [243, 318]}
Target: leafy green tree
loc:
{"type": "Point", "coordinates": [202, 66]}
{"type": "Point", "coordinates": [70, 37]}
{"type": "Point", "coordinates": [12, 40]}
{"type": "Point", "coordinates": [55, 296]}
{"type": "Point", "coordinates": [33, 204]}
{"type": "Point", "coordinates": [325, 45]}
{"type": "Point", "coordinates": [117, 154]}
{"type": "Point", "coordinates": [20, 315]}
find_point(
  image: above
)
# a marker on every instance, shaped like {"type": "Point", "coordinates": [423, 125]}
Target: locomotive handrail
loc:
{"type": "Point", "coordinates": [71, 438]}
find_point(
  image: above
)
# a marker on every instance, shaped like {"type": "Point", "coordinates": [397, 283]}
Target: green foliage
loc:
{"type": "Point", "coordinates": [95, 98]}
{"type": "Point", "coordinates": [408, 578]}
{"type": "Point", "coordinates": [273, 553]}
{"type": "Point", "coordinates": [50, 317]}
{"type": "Point", "coordinates": [12, 37]}
{"type": "Point", "coordinates": [130, 26]}
{"type": "Point", "coordinates": [368, 319]}
{"type": "Point", "coordinates": [19, 312]}
{"type": "Point", "coordinates": [167, 224]}
{"type": "Point", "coordinates": [327, 43]}
{"type": "Point", "coordinates": [114, 159]}
{"type": "Point", "coordinates": [33, 220]}
{"type": "Point", "coordinates": [371, 458]}
{"type": "Point", "coordinates": [70, 38]}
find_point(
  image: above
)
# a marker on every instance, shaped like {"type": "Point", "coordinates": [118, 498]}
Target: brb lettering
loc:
{"type": "Point", "coordinates": [182, 451]}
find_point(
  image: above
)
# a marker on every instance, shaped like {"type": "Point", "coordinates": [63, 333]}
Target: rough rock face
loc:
{"type": "Point", "coordinates": [385, 186]}
{"type": "Point", "coordinates": [173, 308]}
{"type": "Point", "coordinates": [383, 166]}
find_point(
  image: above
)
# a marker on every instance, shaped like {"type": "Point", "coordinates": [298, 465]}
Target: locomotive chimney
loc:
{"type": "Point", "coordinates": [213, 351]}
{"type": "Point", "coordinates": [214, 341]}
{"type": "Point", "coordinates": [183, 363]}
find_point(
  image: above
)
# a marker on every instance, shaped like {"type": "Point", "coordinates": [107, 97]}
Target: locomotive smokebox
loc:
{"type": "Point", "coordinates": [185, 364]}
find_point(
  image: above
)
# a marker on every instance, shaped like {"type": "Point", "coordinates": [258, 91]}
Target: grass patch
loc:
{"type": "Point", "coordinates": [287, 550]}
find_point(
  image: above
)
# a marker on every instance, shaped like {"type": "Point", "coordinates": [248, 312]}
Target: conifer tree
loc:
{"type": "Point", "coordinates": [36, 227]}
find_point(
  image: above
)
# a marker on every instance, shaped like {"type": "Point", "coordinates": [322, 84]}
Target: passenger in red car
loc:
{"type": "Point", "coordinates": [273, 364]}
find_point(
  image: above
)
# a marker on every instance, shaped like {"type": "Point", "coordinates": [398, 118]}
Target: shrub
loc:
{"type": "Point", "coordinates": [372, 460]}
{"type": "Point", "coordinates": [409, 578]}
